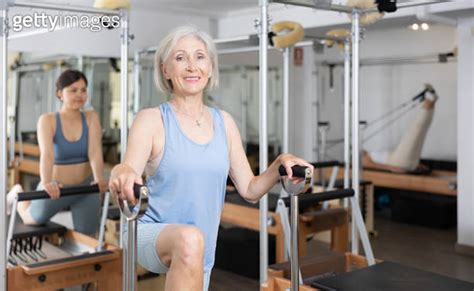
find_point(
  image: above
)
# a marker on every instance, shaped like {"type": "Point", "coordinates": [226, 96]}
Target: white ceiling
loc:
{"type": "Point", "coordinates": [203, 7]}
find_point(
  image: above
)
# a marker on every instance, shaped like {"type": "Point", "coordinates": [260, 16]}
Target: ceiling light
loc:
{"type": "Point", "coordinates": [415, 26]}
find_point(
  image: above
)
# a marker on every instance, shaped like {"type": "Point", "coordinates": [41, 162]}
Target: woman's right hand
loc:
{"type": "Point", "coordinates": [121, 182]}
{"type": "Point", "coordinates": [52, 188]}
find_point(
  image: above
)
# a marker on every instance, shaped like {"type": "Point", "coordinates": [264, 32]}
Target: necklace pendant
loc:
{"type": "Point", "coordinates": [198, 123]}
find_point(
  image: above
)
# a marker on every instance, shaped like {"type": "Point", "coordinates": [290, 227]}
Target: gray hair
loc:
{"type": "Point", "coordinates": [168, 43]}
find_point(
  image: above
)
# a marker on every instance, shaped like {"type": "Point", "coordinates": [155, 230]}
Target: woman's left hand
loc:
{"type": "Point", "coordinates": [103, 185]}
{"type": "Point", "coordinates": [289, 160]}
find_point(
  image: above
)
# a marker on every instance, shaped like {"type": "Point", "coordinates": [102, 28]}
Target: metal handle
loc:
{"type": "Point", "coordinates": [131, 213]}
{"type": "Point", "coordinates": [293, 190]}
{"type": "Point", "coordinates": [298, 171]}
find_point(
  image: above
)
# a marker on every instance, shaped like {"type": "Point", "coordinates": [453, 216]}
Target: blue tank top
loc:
{"type": "Point", "coordinates": [188, 186]}
{"type": "Point", "coordinates": [66, 152]}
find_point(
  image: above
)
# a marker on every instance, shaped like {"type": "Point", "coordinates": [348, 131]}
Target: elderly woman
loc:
{"type": "Point", "coordinates": [187, 150]}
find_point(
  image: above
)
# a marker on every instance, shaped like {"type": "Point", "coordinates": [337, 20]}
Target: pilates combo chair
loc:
{"type": "Point", "coordinates": [342, 271]}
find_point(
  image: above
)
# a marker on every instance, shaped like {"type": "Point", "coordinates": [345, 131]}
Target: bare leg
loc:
{"type": "Point", "coordinates": [23, 209]}
{"type": "Point", "coordinates": [406, 156]}
{"type": "Point", "coordinates": [368, 162]}
{"type": "Point", "coordinates": [181, 248]}
{"type": "Point", "coordinates": [408, 152]}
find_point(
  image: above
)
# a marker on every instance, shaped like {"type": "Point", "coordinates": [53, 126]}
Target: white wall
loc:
{"type": "Point", "coordinates": [383, 87]}
{"type": "Point", "coordinates": [465, 134]}
{"type": "Point", "coordinates": [301, 130]}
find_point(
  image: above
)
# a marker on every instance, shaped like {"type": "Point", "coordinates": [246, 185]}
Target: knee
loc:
{"type": "Point", "coordinates": [25, 213]}
{"type": "Point", "coordinates": [34, 218]}
{"type": "Point", "coordinates": [190, 246]}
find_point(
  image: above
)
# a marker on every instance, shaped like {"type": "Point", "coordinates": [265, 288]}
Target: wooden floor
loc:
{"type": "Point", "coordinates": [420, 247]}
{"type": "Point", "coordinates": [423, 248]}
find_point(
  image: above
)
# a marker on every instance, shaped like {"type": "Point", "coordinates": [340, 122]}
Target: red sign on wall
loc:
{"type": "Point", "coordinates": [298, 56]}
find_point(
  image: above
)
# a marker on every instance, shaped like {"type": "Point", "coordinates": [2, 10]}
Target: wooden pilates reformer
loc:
{"type": "Point", "coordinates": [26, 161]}
{"type": "Point", "coordinates": [238, 212]}
{"type": "Point", "coordinates": [50, 257]}
{"type": "Point", "coordinates": [437, 182]}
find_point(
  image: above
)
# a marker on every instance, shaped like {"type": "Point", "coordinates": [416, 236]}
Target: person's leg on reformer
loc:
{"type": "Point", "coordinates": [406, 156]}
{"type": "Point", "coordinates": [176, 250]}
{"type": "Point", "coordinates": [408, 152]}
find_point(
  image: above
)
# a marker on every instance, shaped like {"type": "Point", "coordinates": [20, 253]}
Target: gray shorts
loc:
{"type": "Point", "coordinates": [147, 235]}
{"type": "Point", "coordinates": [85, 209]}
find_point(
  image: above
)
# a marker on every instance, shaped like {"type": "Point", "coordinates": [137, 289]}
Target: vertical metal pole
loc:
{"type": "Point", "coordinates": [317, 85]}
{"type": "Point", "coordinates": [286, 98]}
{"type": "Point", "coordinates": [131, 255]}
{"type": "Point", "coordinates": [357, 219]}
{"type": "Point", "coordinates": [347, 129]}
{"type": "Point", "coordinates": [91, 84]}
{"type": "Point", "coordinates": [263, 148]}
{"type": "Point", "coordinates": [80, 63]}
{"type": "Point", "coordinates": [103, 221]}
{"type": "Point", "coordinates": [355, 123]}
{"type": "Point", "coordinates": [295, 265]}
{"type": "Point", "coordinates": [136, 83]}
{"type": "Point", "coordinates": [53, 104]}
{"type": "Point", "coordinates": [245, 93]}
{"type": "Point", "coordinates": [124, 83]}
{"type": "Point", "coordinates": [11, 226]}
{"type": "Point", "coordinates": [286, 109]}
{"type": "Point", "coordinates": [3, 146]}
{"type": "Point", "coordinates": [12, 115]}
{"type": "Point", "coordinates": [124, 127]}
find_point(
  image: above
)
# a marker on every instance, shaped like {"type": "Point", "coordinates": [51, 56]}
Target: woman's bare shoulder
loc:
{"type": "Point", "coordinates": [229, 122]}
{"type": "Point", "coordinates": [47, 118]}
{"type": "Point", "coordinates": [149, 114]}
{"type": "Point", "coordinates": [149, 118]}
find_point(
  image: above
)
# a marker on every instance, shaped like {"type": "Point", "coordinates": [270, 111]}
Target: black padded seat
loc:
{"type": "Point", "coordinates": [25, 231]}
{"type": "Point", "coordinates": [340, 183]}
{"type": "Point", "coordinates": [235, 198]}
{"type": "Point", "coordinates": [390, 276]}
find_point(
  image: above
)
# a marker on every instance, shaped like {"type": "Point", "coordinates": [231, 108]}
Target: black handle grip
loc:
{"type": "Point", "coordinates": [298, 171]}
{"type": "Point", "coordinates": [67, 191]}
{"type": "Point", "coordinates": [421, 95]}
{"type": "Point", "coordinates": [310, 199]}
{"type": "Point", "coordinates": [136, 190]}
{"type": "Point", "coordinates": [327, 164]}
